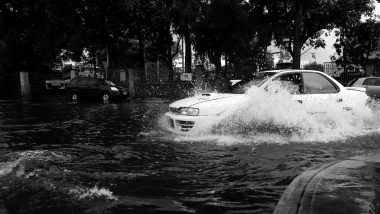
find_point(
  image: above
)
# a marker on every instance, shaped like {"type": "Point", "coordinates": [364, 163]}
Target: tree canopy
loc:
{"type": "Point", "coordinates": [37, 31]}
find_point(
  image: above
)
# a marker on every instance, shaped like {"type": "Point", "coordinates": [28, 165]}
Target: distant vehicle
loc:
{"type": "Point", "coordinates": [233, 82]}
{"type": "Point", "coordinates": [58, 79]}
{"type": "Point", "coordinates": [305, 87]}
{"type": "Point", "coordinates": [90, 87]}
{"type": "Point", "coordinates": [371, 84]}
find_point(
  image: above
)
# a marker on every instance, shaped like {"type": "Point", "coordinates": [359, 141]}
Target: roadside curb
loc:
{"type": "Point", "coordinates": [348, 186]}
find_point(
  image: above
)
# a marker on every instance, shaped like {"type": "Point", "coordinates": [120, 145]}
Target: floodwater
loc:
{"type": "Point", "coordinates": [58, 157]}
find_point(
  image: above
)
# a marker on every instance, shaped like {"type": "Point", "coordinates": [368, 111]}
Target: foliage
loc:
{"type": "Point", "coordinates": [36, 32]}
{"type": "Point", "coordinates": [314, 66]}
{"type": "Point", "coordinates": [185, 16]}
{"type": "Point", "coordinates": [232, 29]}
{"type": "Point", "coordinates": [355, 42]}
{"type": "Point", "coordinates": [32, 31]}
{"type": "Point", "coordinates": [317, 15]}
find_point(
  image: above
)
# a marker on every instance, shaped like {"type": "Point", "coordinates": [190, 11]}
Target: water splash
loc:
{"type": "Point", "coordinates": [94, 192]}
{"type": "Point", "coordinates": [24, 163]}
{"type": "Point", "coordinates": [276, 116]}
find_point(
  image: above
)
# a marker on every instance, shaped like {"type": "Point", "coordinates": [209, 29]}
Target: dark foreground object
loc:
{"type": "Point", "coordinates": [349, 186]}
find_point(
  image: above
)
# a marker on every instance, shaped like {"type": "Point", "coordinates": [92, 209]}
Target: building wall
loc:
{"type": "Point", "coordinates": [332, 69]}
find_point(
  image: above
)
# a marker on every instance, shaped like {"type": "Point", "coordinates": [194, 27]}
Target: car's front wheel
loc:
{"type": "Point", "coordinates": [106, 98]}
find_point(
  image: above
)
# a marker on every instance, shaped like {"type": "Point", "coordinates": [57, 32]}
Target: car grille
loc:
{"type": "Point", "coordinates": [174, 110]}
{"type": "Point", "coordinates": [185, 125]}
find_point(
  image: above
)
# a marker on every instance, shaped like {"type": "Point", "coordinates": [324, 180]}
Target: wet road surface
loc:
{"type": "Point", "coordinates": [118, 158]}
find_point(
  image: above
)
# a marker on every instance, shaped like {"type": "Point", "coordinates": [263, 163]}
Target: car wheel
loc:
{"type": "Point", "coordinates": [74, 97]}
{"type": "Point", "coordinates": [106, 98]}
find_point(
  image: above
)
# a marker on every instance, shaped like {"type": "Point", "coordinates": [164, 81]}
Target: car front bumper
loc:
{"type": "Point", "coordinates": [188, 124]}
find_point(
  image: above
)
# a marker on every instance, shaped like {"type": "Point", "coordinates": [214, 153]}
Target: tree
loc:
{"type": "Point", "coordinates": [34, 31]}
{"type": "Point", "coordinates": [159, 33]}
{"type": "Point", "coordinates": [102, 26]}
{"type": "Point", "coordinates": [316, 16]}
{"type": "Point", "coordinates": [355, 42]}
{"type": "Point", "coordinates": [221, 29]}
{"type": "Point", "coordinates": [185, 14]}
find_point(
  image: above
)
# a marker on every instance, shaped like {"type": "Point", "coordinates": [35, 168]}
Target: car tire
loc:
{"type": "Point", "coordinates": [106, 98]}
{"type": "Point", "coordinates": [74, 96]}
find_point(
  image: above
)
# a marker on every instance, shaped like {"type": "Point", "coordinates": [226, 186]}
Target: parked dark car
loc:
{"type": "Point", "coordinates": [372, 84]}
{"type": "Point", "coordinates": [95, 88]}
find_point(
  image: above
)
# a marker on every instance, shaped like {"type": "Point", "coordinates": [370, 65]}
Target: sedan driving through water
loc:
{"type": "Point", "coordinates": [311, 90]}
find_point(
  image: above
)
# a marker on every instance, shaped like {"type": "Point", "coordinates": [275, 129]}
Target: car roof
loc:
{"type": "Point", "coordinates": [290, 71]}
{"type": "Point", "coordinates": [369, 77]}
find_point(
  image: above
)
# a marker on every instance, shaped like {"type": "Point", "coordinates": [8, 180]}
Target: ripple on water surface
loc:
{"type": "Point", "coordinates": [116, 158]}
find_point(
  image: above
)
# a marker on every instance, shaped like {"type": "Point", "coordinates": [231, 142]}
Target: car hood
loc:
{"type": "Point", "coordinates": [192, 101]}
{"type": "Point", "coordinates": [211, 103]}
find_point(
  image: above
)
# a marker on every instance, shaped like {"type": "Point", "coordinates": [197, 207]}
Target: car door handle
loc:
{"type": "Point", "coordinates": [339, 100]}
{"type": "Point", "coordinates": [300, 101]}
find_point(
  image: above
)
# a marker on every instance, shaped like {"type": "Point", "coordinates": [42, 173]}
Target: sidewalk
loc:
{"type": "Point", "coordinates": [348, 186]}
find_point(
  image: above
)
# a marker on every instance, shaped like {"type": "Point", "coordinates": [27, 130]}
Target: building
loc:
{"type": "Point", "coordinates": [332, 69]}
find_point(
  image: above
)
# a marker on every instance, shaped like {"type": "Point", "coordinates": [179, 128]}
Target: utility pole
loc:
{"type": "Point", "coordinates": [297, 36]}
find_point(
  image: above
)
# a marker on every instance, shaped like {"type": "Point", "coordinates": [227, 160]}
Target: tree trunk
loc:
{"type": "Point", "coordinates": [217, 63]}
{"type": "Point", "coordinates": [169, 63]}
{"type": "Point", "coordinates": [297, 36]}
{"type": "Point", "coordinates": [141, 54]}
{"type": "Point", "coordinates": [188, 55]}
{"type": "Point", "coordinates": [142, 60]}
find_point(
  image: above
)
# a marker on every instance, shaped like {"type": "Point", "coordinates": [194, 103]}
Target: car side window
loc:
{"type": "Point", "coordinates": [74, 82]}
{"type": "Point", "coordinates": [315, 83]}
{"type": "Point", "coordinates": [92, 82]}
{"type": "Point", "coordinates": [377, 82]}
{"type": "Point", "coordinates": [372, 82]}
{"type": "Point", "coordinates": [83, 82]}
{"type": "Point", "coordinates": [291, 82]}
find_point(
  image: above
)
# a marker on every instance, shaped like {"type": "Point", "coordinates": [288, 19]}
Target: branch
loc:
{"type": "Point", "coordinates": [311, 47]}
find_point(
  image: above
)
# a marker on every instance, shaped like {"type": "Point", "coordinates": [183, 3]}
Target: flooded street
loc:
{"type": "Point", "coordinates": [119, 158]}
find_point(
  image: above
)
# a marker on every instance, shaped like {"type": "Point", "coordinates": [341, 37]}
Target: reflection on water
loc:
{"type": "Point", "coordinates": [116, 158]}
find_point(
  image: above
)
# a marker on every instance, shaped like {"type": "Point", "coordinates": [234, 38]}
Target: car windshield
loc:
{"type": "Point", "coordinates": [256, 79]}
{"type": "Point", "coordinates": [110, 83]}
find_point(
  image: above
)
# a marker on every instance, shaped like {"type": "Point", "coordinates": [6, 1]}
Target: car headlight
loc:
{"type": "Point", "coordinates": [114, 89]}
{"type": "Point", "coordinates": [189, 111]}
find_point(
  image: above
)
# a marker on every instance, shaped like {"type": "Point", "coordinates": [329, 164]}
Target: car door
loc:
{"type": "Point", "coordinates": [93, 87]}
{"type": "Point", "coordinates": [82, 87]}
{"type": "Point", "coordinates": [319, 92]}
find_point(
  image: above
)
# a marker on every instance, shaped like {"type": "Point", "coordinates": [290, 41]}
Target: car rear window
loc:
{"type": "Point", "coordinates": [359, 82]}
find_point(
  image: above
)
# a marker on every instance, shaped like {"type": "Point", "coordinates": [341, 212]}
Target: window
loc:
{"type": "Point", "coordinates": [91, 82]}
{"type": "Point", "coordinates": [318, 84]}
{"type": "Point", "coordinates": [256, 79]}
{"type": "Point", "coordinates": [291, 82]}
{"type": "Point", "coordinates": [83, 82]}
{"type": "Point", "coordinates": [372, 81]}
{"type": "Point", "coordinates": [358, 82]}
{"type": "Point", "coordinates": [74, 82]}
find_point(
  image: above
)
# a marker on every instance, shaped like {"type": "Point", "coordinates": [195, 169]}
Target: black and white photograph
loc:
{"type": "Point", "coordinates": [190, 107]}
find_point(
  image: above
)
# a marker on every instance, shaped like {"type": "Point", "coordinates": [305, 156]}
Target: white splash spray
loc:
{"type": "Point", "coordinates": [277, 117]}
